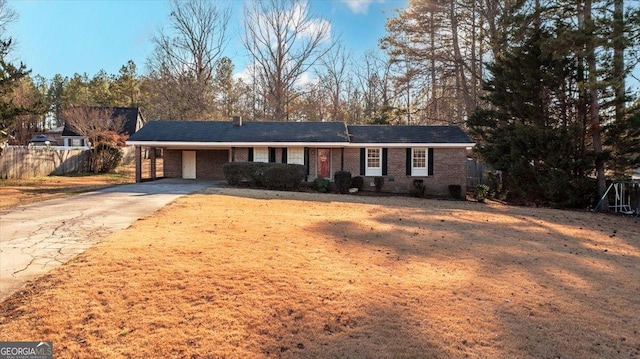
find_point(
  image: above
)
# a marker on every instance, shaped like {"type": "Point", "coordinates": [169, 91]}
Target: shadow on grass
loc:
{"type": "Point", "coordinates": [578, 282]}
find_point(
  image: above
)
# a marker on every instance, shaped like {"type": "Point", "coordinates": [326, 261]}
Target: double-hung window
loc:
{"type": "Point", "coordinates": [261, 154]}
{"type": "Point", "coordinates": [374, 162]}
{"type": "Point", "coordinates": [295, 155]}
{"type": "Point", "coordinates": [419, 162]}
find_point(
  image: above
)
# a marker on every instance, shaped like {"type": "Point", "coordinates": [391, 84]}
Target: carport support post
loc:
{"type": "Point", "coordinates": [138, 164]}
{"type": "Point", "coordinates": [152, 157]}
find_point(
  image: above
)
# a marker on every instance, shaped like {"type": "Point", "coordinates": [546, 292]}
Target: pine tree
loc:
{"type": "Point", "coordinates": [526, 135]}
{"type": "Point", "coordinates": [10, 76]}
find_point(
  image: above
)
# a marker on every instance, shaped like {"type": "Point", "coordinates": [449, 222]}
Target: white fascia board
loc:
{"type": "Point", "coordinates": [205, 145]}
{"type": "Point", "coordinates": [412, 145]}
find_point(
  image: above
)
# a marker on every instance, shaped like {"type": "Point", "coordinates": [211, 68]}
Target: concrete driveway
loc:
{"type": "Point", "coordinates": [38, 237]}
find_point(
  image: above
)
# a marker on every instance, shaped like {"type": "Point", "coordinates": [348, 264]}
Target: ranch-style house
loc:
{"type": "Point", "coordinates": [400, 154]}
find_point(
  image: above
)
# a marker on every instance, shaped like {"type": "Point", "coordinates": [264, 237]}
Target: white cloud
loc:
{"type": "Point", "coordinates": [245, 75]}
{"type": "Point", "coordinates": [313, 25]}
{"type": "Point", "coordinates": [360, 6]}
{"type": "Point", "coordinates": [306, 79]}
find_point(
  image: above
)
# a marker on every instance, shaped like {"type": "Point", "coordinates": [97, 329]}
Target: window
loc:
{"type": "Point", "coordinates": [295, 156]}
{"type": "Point", "coordinates": [261, 154]}
{"type": "Point", "coordinates": [374, 162]}
{"type": "Point", "coordinates": [419, 162]}
{"type": "Point", "coordinates": [77, 142]}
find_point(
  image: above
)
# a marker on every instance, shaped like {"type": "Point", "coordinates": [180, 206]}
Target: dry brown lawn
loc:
{"type": "Point", "coordinates": [253, 274]}
{"type": "Point", "coordinates": [24, 191]}
{"type": "Point", "coordinates": [15, 192]}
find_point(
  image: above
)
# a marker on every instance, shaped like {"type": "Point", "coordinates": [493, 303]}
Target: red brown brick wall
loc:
{"type": "Point", "coordinates": [241, 154]}
{"type": "Point", "coordinates": [172, 163]}
{"type": "Point", "coordinates": [449, 167]}
{"type": "Point", "coordinates": [209, 164]}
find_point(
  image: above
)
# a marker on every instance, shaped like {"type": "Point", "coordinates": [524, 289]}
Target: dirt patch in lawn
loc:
{"type": "Point", "coordinates": [254, 274]}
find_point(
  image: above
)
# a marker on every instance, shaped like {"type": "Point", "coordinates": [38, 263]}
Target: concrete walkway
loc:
{"type": "Point", "coordinates": [38, 237]}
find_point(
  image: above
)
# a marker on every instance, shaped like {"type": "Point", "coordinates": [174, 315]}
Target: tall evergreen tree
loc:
{"type": "Point", "coordinates": [526, 135]}
{"type": "Point", "coordinates": [10, 74]}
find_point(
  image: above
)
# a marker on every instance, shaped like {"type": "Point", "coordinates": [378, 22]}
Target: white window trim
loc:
{"type": "Point", "coordinates": [373, 171]}
{"type": "Point", "coordinates": [420, 171]}
{"type": "Point", "coordinates": [295, 155]}
{"type": "Point", "coordinates": [261, 154]}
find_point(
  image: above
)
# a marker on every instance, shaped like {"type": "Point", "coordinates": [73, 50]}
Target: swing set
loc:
{"type": "Point", "coordinates": [622, 197]}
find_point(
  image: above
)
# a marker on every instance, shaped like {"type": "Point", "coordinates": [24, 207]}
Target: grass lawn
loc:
{"type": "Point", "coordinates": [253, 274]}
{"type": "Point", "coordinates": [15, 192]}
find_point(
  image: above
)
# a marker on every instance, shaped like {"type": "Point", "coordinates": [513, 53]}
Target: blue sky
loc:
{"type": "Point", "coordinates": [85, 36]}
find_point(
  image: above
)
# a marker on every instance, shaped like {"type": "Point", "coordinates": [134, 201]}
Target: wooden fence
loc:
{"type": "Point", "coordinates": [19, 162]}
{"type": "Point", "coordinates": [476, 173]}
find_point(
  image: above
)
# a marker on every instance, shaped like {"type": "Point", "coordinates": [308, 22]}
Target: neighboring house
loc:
{"type": "Point", "coordinates": [198, 149]}
{"type": "Point", "coordinates": [133, 121]}
{"type": "Point", "coordinates": [42, 140]}
{"type": "Point", "coordinates": [55, 134]}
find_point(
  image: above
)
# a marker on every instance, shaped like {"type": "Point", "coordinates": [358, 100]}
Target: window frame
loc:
{"type": "Point", "coordinates": [261, 154]}
{"type": "Point", "coordinates": [371, 170]}
{"type": "Point", "coordinates": [419, 171]}
{"type": "Point", "coordinates": [295, 155]}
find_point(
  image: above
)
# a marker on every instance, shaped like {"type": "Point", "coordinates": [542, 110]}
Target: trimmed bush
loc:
{"type": "Point", "coordinates": [379, 182]}
{"type": "Point", "coordinates": [455, 191]}
{"type": "Point", "coordinates": [343, 181]}
{"type": "Point", "coordinates": [321, 184]}
{"type": "Point", "coordinates": [357, 182]}
{"type": "Point", "coordinates": [418, 188]}
{"type": "Point", "coordinates": [283, 177]}
{"type": "Point", "coordinates": [248, 173]}
{"type": "Point", "coordinates": [279, 176]}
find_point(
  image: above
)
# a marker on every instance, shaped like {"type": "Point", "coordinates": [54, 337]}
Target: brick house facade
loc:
{"type": "Point", "coordinates": [400, 154]}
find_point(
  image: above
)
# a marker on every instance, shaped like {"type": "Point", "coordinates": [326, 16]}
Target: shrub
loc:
{"type": "Point", "coordinates": [104, 158]}
{"type": "Point", "coordinates": [418, 189]}
{"type": "Point", "coordinates": [480, 192]}
{"type": "Point", "coordinates": [251, 173]}
{"type": "Point", "coordinates": [282, 176]}
{"type": "Point", "coordinates": [357, 182]}
{"type": "Point", "coordinates": [321, 184]}
{"type": "Point", "coordinates": [343, 181]}
{"type": "Point", "coordinates": [455, 191]}
{"type": "Point", "coordinates": [235, 172]}
{"type": "Point", "coordinates": [271, 175]}
{"type": "Point", "coordinates": [379, 182]}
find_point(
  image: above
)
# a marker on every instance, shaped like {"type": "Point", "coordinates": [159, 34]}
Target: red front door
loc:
{"type": "Point", "coordinates": [324, 162]}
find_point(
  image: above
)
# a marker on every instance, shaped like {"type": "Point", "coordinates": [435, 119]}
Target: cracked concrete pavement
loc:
{"type": "Point", "coordinates": [38, 237]}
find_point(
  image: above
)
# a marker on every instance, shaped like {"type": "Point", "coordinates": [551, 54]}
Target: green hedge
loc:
{"type": "Point", "coordinates": [278, 176]}
{"type": "Point", "coordinates": [321, 184]}
{"type": "Point", "coordinates": [282, 176]}
{"type": "Point", "coordinates": [342, 180]}
{"type": "Point", "coordinates": [357, 182]}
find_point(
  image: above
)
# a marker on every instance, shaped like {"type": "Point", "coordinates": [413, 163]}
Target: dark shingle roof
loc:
{"type": "Point", "coordinates": [407, 134]}
{"type": "Point", "coordinates": [225, 131]}
{"type": "Point", "coordinates": [130, 115]}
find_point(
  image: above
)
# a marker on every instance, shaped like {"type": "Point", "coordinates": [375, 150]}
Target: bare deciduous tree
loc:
{"type": "Point", "coordinates": [182, 68]}
{"type": "Point", "coordinates": [96, 124]}
{"type": "Point", "coordinates": [333, 78]}
{"type": "Point", "coordinates": [284, 41]}
{"type": "Point", "coordinates": [104, 130]}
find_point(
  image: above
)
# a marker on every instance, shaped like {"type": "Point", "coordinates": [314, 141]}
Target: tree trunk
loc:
{"type": "Point", "coordinates": [594, 111]}
{"type": "Point", "coordinates": [618, 59]}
